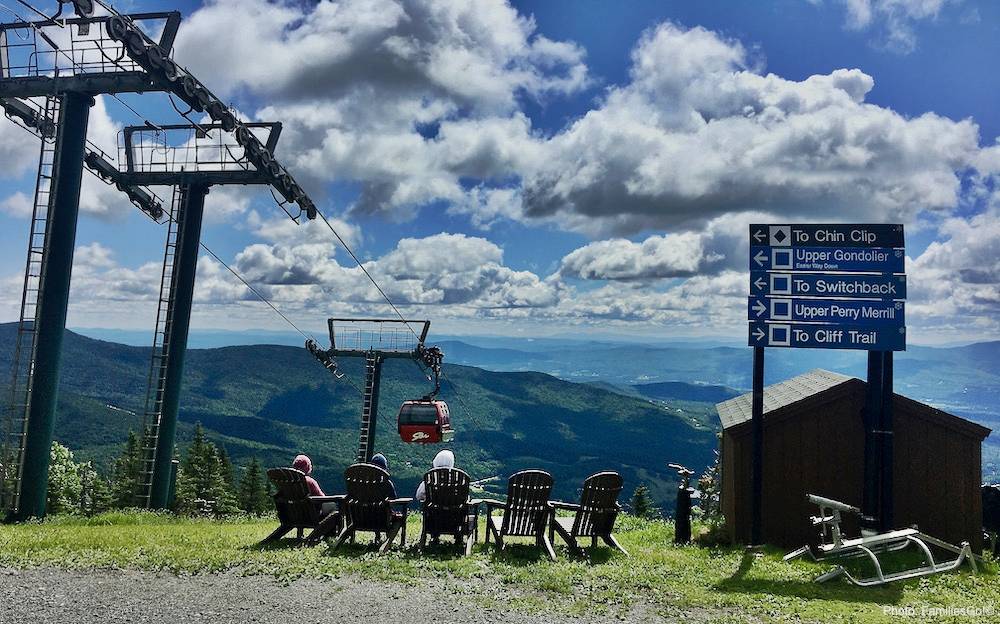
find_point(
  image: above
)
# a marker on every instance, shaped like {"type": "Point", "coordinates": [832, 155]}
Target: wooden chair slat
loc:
{"type": "Point", "coordinates": [447, 509]}
{"type": "Point", "coordinates": [527, 510]}
{"type": "Point", "coordinates": [294, 507]}
{"type": "Point", "coordinates": [367, 505]}
{"type": "Point", "coordinates": [596, 513]}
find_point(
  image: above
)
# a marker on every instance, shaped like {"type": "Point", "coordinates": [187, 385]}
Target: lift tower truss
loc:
{"type": "Point", "coordinates": [50, 72]}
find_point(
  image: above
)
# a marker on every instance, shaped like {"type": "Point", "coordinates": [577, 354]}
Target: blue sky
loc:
{"type": "Point", "coordinates": [564, 166]}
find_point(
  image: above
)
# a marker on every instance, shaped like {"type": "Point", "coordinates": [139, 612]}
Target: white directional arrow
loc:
{"type": "Point", "coordinates": [760, 283]}
{"type": "Point", "coordinates": [760, 258]}
{"type": "Point", "coordinates": [759, 235]}
{"type": "Point", "coordinates": [759, 334]}
{"type": "Point", "coordinates": [759, 307]}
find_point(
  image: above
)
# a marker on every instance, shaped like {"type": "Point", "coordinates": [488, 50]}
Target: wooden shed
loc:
{"type": "Point", "coordinates": [814, 444]}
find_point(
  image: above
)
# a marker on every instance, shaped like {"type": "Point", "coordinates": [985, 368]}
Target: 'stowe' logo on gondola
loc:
{"type": "Point", "coordinates": [419, 435]}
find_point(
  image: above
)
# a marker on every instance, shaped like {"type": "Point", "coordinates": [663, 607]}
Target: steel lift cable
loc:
{"type": "Point", "coordinates": [260, 296]}
{"type": "Point", "coordinates": [257, 293]}
{"type": "Point", "coordinates": [367, 274]}
{"type": "Point", "coordinates": [40, 14]}
{"type": "Point", "coordinates": [271, 305]}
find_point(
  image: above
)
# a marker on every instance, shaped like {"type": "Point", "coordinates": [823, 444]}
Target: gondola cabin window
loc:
{"type": "Point", "coordinates": [424, 422]}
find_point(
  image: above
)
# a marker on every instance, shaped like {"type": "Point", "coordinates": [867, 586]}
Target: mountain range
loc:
{"type": "Point", "coordinates": [273, 402]}
{"type": "Point", "coordinates": [569, 406]}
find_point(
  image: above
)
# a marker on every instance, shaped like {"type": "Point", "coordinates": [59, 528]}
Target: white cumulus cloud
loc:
{"type": "Point", "coordinates": [698, 133]}
{"type": "Point", "coordinates": [894, 19]}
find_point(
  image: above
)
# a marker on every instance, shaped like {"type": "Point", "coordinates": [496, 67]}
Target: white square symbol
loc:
{"type": "Point", "coordinates": [780, 335]}
{"type": "Point", "coordinates": [781, 283]}
{"type": "Point", "coordinates": [781, 259]}
{"type": "Point", "coordinates": [781, 235]}
{"type": "Point", "coordinates": [781, 309]}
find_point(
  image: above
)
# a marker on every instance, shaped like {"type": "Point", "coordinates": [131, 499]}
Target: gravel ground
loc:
{"type": "Point", "coordinates": [80, 597]}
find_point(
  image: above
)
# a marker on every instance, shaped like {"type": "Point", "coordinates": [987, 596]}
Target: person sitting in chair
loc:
{"type": "Point", "coordinates": [303, 464]}
{"type": "Point", "coordinates": [444, 459]}
{"type": "Point", "coordinates": [378, 459]}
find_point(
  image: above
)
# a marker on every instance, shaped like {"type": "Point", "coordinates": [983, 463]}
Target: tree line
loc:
{"type": "Point", "coordinates": [207, 482]}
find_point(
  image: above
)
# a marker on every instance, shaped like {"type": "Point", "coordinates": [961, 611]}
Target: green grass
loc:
{"type": "Point", "coordinates": [720, 584]}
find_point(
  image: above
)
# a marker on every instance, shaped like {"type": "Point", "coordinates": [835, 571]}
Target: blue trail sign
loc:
{"type": "Point", "coordinates": [852, 311]}
{"type": "Point", "coordinates": [827, 235]}
{"type": "Point", "coordinates": [863, 259]}
{"type": "Point", "coordinates": [870, 338]}
{"type": "Point", "coordinates": [830, 286]}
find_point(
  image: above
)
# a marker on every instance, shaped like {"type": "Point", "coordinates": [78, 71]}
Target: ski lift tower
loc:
{"type": "Point", "coordinates": [191, 159]}
{"type": "Point", "coordinates": [375, 340]}
{"type": "Point", "coordinates": [64, 63]}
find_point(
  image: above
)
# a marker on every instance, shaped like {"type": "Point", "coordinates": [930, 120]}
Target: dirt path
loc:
{"type": "Point", "coordinates": [78, 597]}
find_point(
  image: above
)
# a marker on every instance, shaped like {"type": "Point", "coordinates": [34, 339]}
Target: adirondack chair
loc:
{"type": "Point", "coordinates": [368, 507]}
{"type": "Point", "coordinates": [594, 516]}
{"type": "Point", "coordinates": [296, 509]}
{"type": "Point", "coordinates": [447, 508]}
{"type": "Point", "coordinates": [526, 511]}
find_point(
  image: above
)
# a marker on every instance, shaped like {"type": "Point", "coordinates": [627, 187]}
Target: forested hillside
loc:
{"type": "Point", "coordinates": [275, 401]}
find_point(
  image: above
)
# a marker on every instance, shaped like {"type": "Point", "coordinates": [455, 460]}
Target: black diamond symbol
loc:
{"type": "Point", "coordinates": [780, 236]}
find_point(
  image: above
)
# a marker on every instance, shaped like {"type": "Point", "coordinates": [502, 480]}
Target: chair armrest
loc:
{"type": "Point", "coordinates": [565, 506]}
{"type": "Point", "coordinates": [475, 502]}
{"type": "Point", "coordinates": [492, 503]}
{"type": "Point", "coordinates": [400, 501]}
{"type": "Point", "coordinates": [336, 498]}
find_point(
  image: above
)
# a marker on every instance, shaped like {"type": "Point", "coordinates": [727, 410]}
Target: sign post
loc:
{"type": "Point", "coordinates": [887, 507]}
{"type": "Point", "coordinates": [757, 425]}
{"type": "Point", "coordinates": [830, 286]}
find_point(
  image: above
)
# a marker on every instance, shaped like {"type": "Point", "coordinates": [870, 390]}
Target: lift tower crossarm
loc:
{"type": "Point", "coordinates": [90, 78]}
{"type": "Point", "coordinates": [33, 119]}
{"type": "Point", "coordinates": [171, 77]}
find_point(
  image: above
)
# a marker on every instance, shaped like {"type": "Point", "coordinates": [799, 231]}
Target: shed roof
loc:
{"type": "Point", "coordinates": [738, 409]}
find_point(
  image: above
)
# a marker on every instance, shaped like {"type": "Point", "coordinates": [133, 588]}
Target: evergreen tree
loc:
{"type": "Point", "coordinates": [227, 467]}
{"type": "Point", "coordinates": [125, 473]}
{"type": "Point", "coordinates": [201, 483]}
{"type": "Point", "coordinates": [642, 503]}
{"type": "Point", "coordinates": [253, 496]}
{"type": "Point", "coordinates": [65, 485]}
{"type": "Point", "coordinates": [101, 498]}
{"type": "Point", "coordinates": [95, 496]}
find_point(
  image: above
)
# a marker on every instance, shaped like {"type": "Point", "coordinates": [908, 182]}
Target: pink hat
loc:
{"type": "Point", "coordinates": [303, 463]}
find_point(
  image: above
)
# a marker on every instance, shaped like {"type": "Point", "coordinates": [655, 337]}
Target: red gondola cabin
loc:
{"type": "Point", "coordinates": [424, 422]}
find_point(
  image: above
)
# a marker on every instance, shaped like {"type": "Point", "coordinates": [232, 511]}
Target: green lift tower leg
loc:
{"type": "Point", "coordinates": [67, 172]}
{"type": "Point", "coordinates": [185, 268]}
